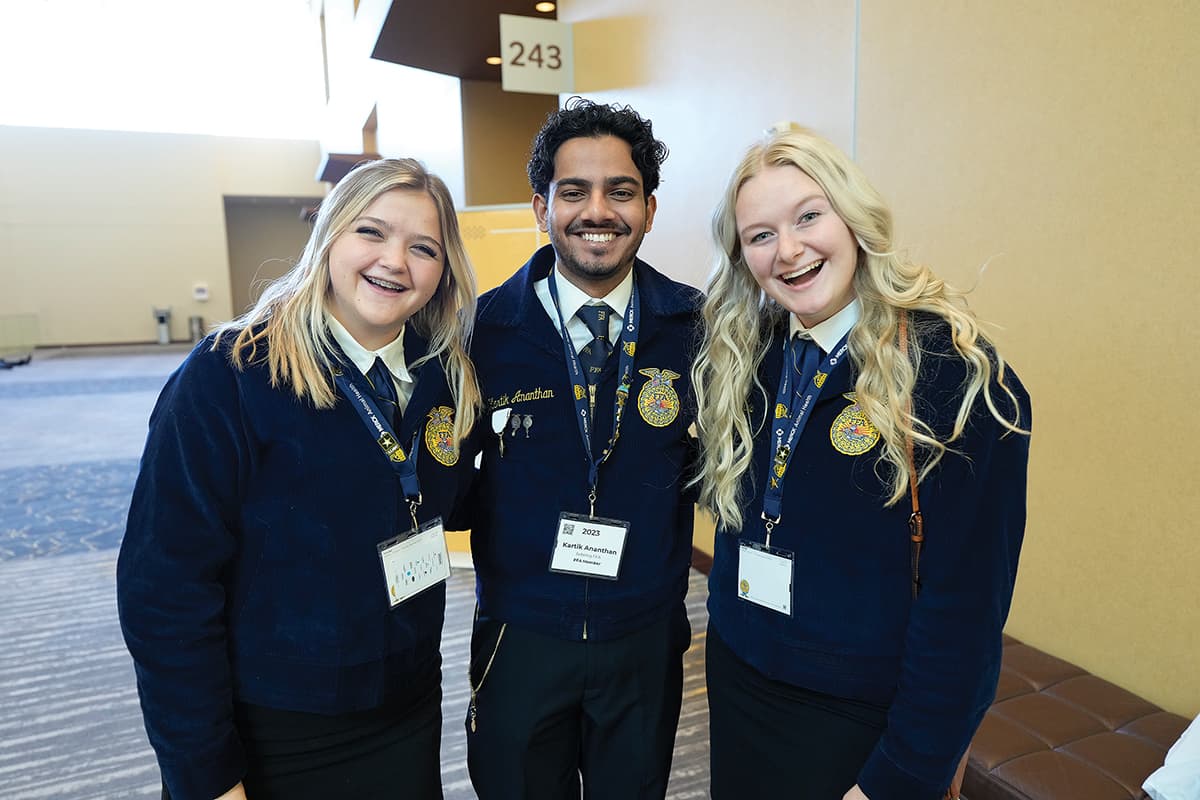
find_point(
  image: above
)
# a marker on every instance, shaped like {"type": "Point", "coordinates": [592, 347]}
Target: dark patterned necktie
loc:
{"type": "Point", "coordinates": [808, 358]}
{"type": "Point", "coordinates": [595, 353]}
{"type": "Point", "coordinates": [385, 390]}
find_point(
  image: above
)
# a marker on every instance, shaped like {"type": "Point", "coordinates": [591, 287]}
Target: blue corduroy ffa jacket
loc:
{"type": "Point", "coordinates": [249, 570]}
{"type": "Point", "coordinates": [854, 631]}
{"type": "Point", "coordinates": [519, 356]}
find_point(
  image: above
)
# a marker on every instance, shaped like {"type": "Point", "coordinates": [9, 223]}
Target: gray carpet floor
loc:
{"type": "Point", "coordinates": [72, 424]}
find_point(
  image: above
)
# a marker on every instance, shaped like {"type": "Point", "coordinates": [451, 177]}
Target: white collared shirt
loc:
{"type": "Point", "coordinates": [392, 354]}
{"type": "Point", "coordinates": [828, 333]}
{"type": "Point", "coordinates": [571, 298]}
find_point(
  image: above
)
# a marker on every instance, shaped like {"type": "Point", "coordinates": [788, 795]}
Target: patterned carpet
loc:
{"type": "Point", "coordinates": [70, 726]}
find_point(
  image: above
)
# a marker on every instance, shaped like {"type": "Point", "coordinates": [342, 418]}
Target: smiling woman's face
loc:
{"type": "Point", "coordinates": [798, 249]}
{"type": "Point", "coordinates": [386, 266]}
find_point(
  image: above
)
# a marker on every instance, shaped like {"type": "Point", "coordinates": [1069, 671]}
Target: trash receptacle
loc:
{"type": "Point", "coordinates": [162, 316]}
{"type": "Point", "coordinates": [196, 328]}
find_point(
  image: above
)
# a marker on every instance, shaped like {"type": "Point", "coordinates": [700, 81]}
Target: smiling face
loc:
{"type": "Point", "coordinates": [596, 213]}
{"type": "Point", "coordinates": [385, 266]}
{"type": "Point", "coordinates": [798, 249]}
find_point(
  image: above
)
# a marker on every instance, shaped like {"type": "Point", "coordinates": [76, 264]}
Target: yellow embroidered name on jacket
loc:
{"type": "Point", "coordinates": [521, 396]}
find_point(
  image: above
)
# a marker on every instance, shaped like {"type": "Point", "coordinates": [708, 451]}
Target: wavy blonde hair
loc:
{"type": "Point", "coordinates": [740, 319]}
{"type": "Point", "coordinates": [290, 314]}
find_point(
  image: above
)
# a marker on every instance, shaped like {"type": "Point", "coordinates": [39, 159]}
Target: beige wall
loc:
{"type": "Point", "coordinates": [1059, 141]}
{"type": "Point", "coordinates": [98, 227]}
{"type": "Point", "coordinates": [1060, 144]}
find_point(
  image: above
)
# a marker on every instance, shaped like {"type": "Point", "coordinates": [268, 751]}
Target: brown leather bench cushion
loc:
{"type": "Point", "coordinates": [1056, 732]}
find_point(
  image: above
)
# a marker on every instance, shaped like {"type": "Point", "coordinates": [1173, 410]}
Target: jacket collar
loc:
{"type": "Point", "coordinates": [513, 303]}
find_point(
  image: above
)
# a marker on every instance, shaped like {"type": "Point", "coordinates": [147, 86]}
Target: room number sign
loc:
{"type": "Point", "coordinates": [537, 55]}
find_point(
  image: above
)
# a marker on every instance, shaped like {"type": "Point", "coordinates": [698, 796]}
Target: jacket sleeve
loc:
{"type": "Point", "coordinates": [179, 541]}
{"type": "Point", "coordinates": [973, 506]}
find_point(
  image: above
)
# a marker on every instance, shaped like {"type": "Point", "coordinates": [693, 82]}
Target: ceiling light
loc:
{"type": "Point", "coordinates": [545, 8]}
{"type": "Point", "coordinates": [495, 60]}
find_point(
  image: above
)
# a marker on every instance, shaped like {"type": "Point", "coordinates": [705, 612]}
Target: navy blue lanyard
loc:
{"type": "Point", "coordinates": [785, 440]}
{"type": "Point", "coordinates": [628, 342]}
{"type": "Point", "coordinates": [405, 463]}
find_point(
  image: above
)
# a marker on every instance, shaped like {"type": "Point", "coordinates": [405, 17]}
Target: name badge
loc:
{"type": "Point", "coordinates": [765, 576]}
{"type": "Point", "coordinates": [590, 546]}
{"type": "Point", "coordinates": [414, 562]}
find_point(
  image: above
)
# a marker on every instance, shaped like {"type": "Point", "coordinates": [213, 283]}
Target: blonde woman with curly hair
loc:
{"type": "Point", "coordinates": [298, 465]}
{"type": "Point", "coordinates": [838, 385]}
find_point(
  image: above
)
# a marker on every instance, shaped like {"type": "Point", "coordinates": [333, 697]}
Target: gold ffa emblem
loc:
{"type": "Point", "coordinates": [439, 436]}
{"type": "Point", "coordinates": [744, 587]}
{"type": "Point", "coordinates": [658, 402]}
{"type": "Point", "coordinates": [391, 447]}
{"type": "Point", "coordinates": [852, 433]}
{"type": "Point", "coordinates": [629, 347]}
{"type": "Point", "coordinates": [579, 392]}
{"type": "Point", "coordinates": [780, 411]}
{"type": "Point", "coordinates": [819, 379]}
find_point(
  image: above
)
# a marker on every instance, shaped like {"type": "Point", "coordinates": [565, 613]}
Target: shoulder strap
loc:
{"type": "Point", "coordinates": [916, 523]}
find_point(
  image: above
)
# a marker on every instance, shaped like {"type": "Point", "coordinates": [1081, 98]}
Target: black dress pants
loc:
{"type": "Point", "coordinates": [555, 718]}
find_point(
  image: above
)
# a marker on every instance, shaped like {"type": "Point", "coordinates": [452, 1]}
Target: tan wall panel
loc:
{"type": "Point", "coordinates": [98, 227]}
{"type": "Point", "coordinates": [1059, 142]}
{"type": "Point", "coordinates": [498, 127]}
{"type": "Point", "coordinates": [499, 241]}
{"type": "Point", "coordinates": [266, 237]}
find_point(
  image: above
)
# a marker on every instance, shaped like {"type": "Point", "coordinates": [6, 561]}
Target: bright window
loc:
{"type": "Point", "coordinates": [221, 67]}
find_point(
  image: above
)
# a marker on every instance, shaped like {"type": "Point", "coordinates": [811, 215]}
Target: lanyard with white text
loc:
{"type": "Point", "coordinates": [785, 441]}
{"type": "Point", "coordinates": [628, 342]}
{"type": "Point", "coordinates": [404, 463]}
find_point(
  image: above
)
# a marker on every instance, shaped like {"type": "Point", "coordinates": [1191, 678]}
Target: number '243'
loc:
{"type": "Point", "coordinates": [550, 58]}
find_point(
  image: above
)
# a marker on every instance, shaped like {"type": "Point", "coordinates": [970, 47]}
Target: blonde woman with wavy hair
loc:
{"type": "Point", "coordinates": [281, 583]}
{"type": "Point", "coordinates": [854, 644]}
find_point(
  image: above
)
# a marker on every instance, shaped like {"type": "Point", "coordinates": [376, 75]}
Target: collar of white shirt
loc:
{"type": "Point", "coordinates": [571, 298]}
{"type": "Point", "coordinates": [392, 354]}
{"type": "Point", "coordinates": [828, 333]}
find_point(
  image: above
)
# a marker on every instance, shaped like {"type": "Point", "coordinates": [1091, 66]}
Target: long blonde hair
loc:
{"type": "Point", "coordinates": [740, 319]}
{"type": "Point", "coordinates": [290, 314]}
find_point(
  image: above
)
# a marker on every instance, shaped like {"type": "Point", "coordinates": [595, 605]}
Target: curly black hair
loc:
{"type": "Point", "coordinates": [581, 117]}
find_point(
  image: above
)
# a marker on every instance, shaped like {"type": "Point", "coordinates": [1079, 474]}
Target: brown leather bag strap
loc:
{"type": "Point", "coordinates": [916, 523]}
{"type": "Point", "coordinates": [916, 532]}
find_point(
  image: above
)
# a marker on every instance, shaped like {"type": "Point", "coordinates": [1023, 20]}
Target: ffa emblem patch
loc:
{"type": "Point", "coordinates": [579, 392]}
{"type": "Point", "coordinates": [780, 411]}
{"type": "Point", "coordinates": [852, 433]}
{"type": "Point", "coordinates": [629, 347]}
{"type": "Point", "coordinates": [392, 448]}
{"type": "Point", "coordinates": [439, 436]}
{"type": "Point", "coordinates": [658, 403]}
{"type": "Point", "coordinates": [744, 587]}
{"type": "Point", "coordinates": [819, 379]}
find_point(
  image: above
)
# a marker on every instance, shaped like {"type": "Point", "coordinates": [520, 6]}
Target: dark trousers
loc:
{"type": "Point", "coordinates": [769, 739]}
{"type": "Point", "coordinates": [392, 752]}
{"type": "Point", "coordinates": [555, 717]}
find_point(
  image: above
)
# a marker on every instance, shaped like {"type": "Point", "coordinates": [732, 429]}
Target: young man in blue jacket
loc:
{"type": "Point", "coordinates": [582, 531]}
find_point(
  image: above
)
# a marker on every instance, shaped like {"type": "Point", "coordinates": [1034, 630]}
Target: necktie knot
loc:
{"type": "Point", "coordinates": [595, 353]}
{"type": "Point", "coordinates": [596, 320]}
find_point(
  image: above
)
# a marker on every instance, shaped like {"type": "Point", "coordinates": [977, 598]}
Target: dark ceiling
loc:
{"type": "Point", "coordinates": [453, 38]}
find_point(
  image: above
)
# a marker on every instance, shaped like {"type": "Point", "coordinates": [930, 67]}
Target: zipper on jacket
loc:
{"type": "Point", "coordinates": [586, 586]}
